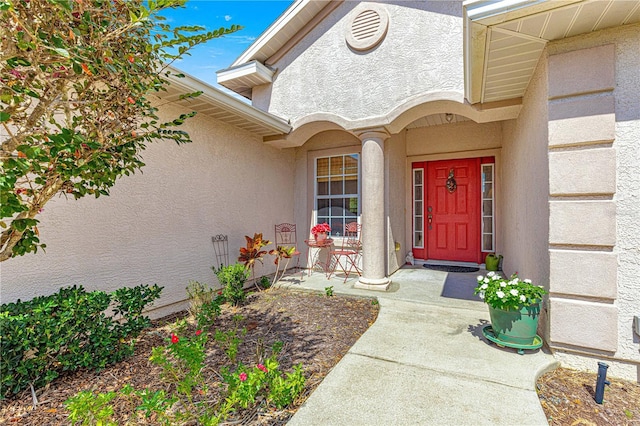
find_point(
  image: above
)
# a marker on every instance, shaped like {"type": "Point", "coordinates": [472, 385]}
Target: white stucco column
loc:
{"type": "Point", "coordinates": [373, 223]}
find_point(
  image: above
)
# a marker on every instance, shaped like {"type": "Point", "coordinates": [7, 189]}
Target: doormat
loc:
{"type": "Point", "coordinates": [448, 268]}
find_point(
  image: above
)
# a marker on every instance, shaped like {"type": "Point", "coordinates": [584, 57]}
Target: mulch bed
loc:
{"type": "Point", "coordinates": [567, 398]}
{"type": "Point", "coordinates": [316, 330]}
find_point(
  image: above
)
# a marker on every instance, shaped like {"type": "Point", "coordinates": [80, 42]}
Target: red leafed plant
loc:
{"type": "Point", "coordinates": [281, 252]}
{"type": "Point", "coordinates": [253, 251]}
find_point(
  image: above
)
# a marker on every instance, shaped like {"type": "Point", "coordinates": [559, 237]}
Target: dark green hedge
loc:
{"type": "Point", "coordinates": [68, 330]}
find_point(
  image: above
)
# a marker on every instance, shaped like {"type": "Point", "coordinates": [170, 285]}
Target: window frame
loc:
{"type": "Point", "coordinates": [328, 155]}
{"type": "Point", "coordinates": [492, 200]}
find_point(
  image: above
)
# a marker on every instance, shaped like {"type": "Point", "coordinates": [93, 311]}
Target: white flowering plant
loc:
{"type": "Point", "coordinates": [508, 293]}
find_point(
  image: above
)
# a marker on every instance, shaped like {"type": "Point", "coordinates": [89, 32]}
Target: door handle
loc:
{"type": "Point", "coordinates": [430, 218]}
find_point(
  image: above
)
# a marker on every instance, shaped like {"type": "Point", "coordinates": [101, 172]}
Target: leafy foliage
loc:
{"type": "Point", "coordinates": [281, 252]}
{"type": "Point", "coordinates": [204, 305]}
{"type": "Point", "coordinates": [233, 277]}
{"type": "Point", "coordinates": [253, 251]}
{"type": "Point", "coordinates": [87, 409]}
{"type": "Point", "coordinates": [508, 294]}
{"type": "Point", "coordinates": [77, 105]}
{"type": "Point", "coordinates": [68, 330]}
{"type": "Point", "coordinates": [182, 361]}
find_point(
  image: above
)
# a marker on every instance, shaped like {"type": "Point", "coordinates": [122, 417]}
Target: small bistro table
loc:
{"type": "Point", "coordinates": [313, 256]}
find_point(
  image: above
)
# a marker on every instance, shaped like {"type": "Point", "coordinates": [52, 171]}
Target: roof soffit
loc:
{"type": "Point", "coordinates": [504, 40]}
{"type": "Point", "coordinates": [216, 104]}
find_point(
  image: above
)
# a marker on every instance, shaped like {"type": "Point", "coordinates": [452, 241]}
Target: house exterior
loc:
{"type": "Point", "coordinates": [448, 129]}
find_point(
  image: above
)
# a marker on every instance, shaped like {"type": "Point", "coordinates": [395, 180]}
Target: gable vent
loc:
{"type": "Point", "coordinates": [367, 28]}
{"type": "Point", "coordinates": [365, 25]}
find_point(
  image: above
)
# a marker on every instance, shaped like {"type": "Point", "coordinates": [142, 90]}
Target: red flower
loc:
{"type": "Point", "coordinates": [242, 377]}
{"type": "Point", "coordinates": [262, 367]}
{"type": "Point", "coordinates": [219, 293]}
{"type": "Point", "coordinates": [174, 338]}
{"type": "Point", "coordinates": [130, 100]}
{"type": "Point", "coordinates": [198, 332]}
{"type": "Point", "coordinates": [131, 59]}
{"type": "Point", "coordinates": [321, 227]}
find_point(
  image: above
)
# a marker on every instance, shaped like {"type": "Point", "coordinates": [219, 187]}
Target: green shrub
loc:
{"type": "Point", "coordinates": [204, 305]}
{"type": "Point", "coordinates": [187, 399]}
{"type": "Point", "coordinates": [66, 331]}
{"type": "Point", "coordinates": [233, 278]}
{"type": "Point", "coordinates": [199, 294]}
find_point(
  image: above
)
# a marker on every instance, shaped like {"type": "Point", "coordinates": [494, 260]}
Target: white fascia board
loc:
{"type": "Point", "coordinates": [253, 68]}
{"type": "Point", "coordinates": [475, 39]}
{"type": "Point", "coordinates": [490, 12]}
{"type": "Point", "coordinates": [219, 98]}
{"type": "Point", "coordinates": [480, 9]}
{"type": "Point", "coordinates": [282, 21]}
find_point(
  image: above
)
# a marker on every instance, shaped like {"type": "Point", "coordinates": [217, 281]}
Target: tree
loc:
{"type": "Point", "coordinates": [77, 79]}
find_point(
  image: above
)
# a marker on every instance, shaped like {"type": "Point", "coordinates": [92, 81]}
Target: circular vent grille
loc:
{"type": "Point", "coordinates": [365, 25]}
{"type": "Point", "coordinates": [367, 28]}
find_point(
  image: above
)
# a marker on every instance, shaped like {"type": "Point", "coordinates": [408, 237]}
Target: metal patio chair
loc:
{"type": "Point", "coordinates": [348, 255]}
{"type": "Point", "coordinates": [287, 236]}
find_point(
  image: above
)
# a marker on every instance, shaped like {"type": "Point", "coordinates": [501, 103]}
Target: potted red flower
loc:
{"type": "Point", "coordinates": [320, 231]}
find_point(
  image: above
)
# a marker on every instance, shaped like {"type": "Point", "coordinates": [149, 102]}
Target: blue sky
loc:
{"type": "Point", "coordinates": [254, 16]}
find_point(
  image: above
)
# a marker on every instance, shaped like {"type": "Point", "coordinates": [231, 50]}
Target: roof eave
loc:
{"type": "Point", "coordinates": [270, 123]}
{"type": "Point", "coordinates": [283, 20]}
{"type": "Point", "coordinates": [243, 78]}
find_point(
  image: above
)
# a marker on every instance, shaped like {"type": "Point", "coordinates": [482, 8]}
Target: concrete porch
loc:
{"type": "Point", "coordinates": [411, 283]}
{"type": "Point", "coordinates": [424, 360]}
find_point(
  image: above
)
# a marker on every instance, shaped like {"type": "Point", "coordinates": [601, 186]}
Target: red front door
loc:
{"type": "Point", "coordinates": [451, 212]}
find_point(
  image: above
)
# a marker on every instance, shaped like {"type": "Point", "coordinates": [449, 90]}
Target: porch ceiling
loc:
{"type": "Point", "coordinates": [437, 119]}
{"type": "Point", "coordinates": [504, 40]}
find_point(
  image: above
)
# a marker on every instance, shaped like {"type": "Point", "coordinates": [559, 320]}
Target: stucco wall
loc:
{"type": "Point", "coordinates": [322, 74]}
{"type": "Point", "coordinates": [156, 226]}
{"type": "Point", "coordinates": [453, 138]}
{"type": "Point", "coordinates": [626, 89]}
{"type": "Point", "coordinates": [525, 185]}
{"type": "Point", "coordinates": [395, 166]}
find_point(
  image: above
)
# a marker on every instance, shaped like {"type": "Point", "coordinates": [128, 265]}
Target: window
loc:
{"type": "Point", "coordinates": [418, 220]}
{"type": "Point", "coordinates": [488, 243]}
{"type": "Point", "coordinates": [338, 191]}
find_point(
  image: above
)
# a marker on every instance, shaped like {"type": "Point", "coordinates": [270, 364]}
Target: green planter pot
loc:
{"type": "Point", "coordinates": [515, 326]}
{"type": "Point", "coordinates": [492, 262]}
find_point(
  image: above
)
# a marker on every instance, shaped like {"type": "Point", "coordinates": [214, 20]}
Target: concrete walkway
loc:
{"type": "Point", "coordinates": [424, 361]}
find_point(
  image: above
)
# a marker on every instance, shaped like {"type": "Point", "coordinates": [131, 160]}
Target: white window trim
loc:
{"type": "Point", "coordinates": [329, 154]}
{"type": "Point", "coordinates": [414, 215]}
{"type": "Point", "coordinates": [493, 208]}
